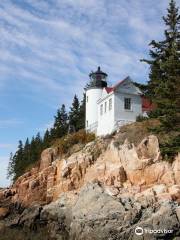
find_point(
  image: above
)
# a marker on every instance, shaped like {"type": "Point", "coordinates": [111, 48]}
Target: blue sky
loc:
{"type": "Point", "coordinates": [48, 48]}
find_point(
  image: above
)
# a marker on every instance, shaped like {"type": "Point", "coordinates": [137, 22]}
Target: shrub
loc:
{"type": "Point", "coordinates": [141, 118]}
{"type": "Point", "coordinates": [170, 147]}
{"type": "Point", "coordinates": [65, 143]}
{"type": "Point", "coordinates": [135, 132]}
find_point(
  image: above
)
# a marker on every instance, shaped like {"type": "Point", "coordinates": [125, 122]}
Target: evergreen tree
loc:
{"type": "Point", "coordinates": [74, 114]}
{"type": "Point", "coordinates": [18, 161]}
{"type": "Point", "coordinates": [36, 148]}
{"type": "Point", "coordinates": [10, 169]}
{"type": "Point", "coordinates": [47, 139]}
{"type": "Point", "coordinates": [27, 153]}
{"type": "Point", "coordinates": [60, 123]}
{"type": "Point", "coordinates": [164, 83]}
{"type": "Point", "coordinates": [82, 110]}
{"type": "Point", "coordinates": [33, 150]}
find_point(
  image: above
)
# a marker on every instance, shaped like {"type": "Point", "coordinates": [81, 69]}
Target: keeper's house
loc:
{"type": "Point", "coordinates": [108, 108]}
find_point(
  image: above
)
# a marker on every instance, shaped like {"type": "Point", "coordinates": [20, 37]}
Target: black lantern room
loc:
{"type": "Point", "coordinates": [97, 79]}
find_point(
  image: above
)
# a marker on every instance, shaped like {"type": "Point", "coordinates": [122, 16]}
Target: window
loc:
{"type": "Point", "coordinates": [127, 103]}
{"type": "Point", "coordinates": [105, 107]}
{"type": "Point", "coordinates": [87, 99]}
{"type": "Point", "coordinates": [101, 109]}
{"type": "Point", "coordinates": [110, 104]}
{"type": "Point", "coordinates": [86, 123]}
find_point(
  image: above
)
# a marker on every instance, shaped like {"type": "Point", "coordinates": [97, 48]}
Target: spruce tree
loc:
{"type": "Point", "coordinates": [36, 148]}
{"type": "Point", "coordinates": [164, 83]}
{"type": "Point", "coordinates": [10, 169]}
{"type": "Point", "coordinates": [27, 153]}
{"type": "Point", "coordinates": [33, 150]}
{"type": "Point", "coordinates": [46, 139]}
{"type": "Point", "coordinates": [82, 110]}
{"type": "Point", "coordinates": [19, 161]}
{"type": "Point", "coordinates": [60, 123]}
{"type": "Point", "coordinates": [74, 114]}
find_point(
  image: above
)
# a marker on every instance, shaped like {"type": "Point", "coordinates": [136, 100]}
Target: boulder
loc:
{"type": "Point", "coordinates": [47, 157]}
{"type": "Point", "coordinates": [3, 212]}
{"type": "Point", "coordinates": [174, 191]}
{"type": "Point", "coordinates": [149, 148]}
{"type": "Point", "coordinates": [29, 216]}
{"type": "Point", "coordinates": [33, 183]}
{"type": "Point", "coordinates": [176, 169]}
{"type": "Point", "coordinates": [158, 189]}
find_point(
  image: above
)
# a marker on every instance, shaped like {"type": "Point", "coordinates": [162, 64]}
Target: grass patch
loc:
{"type": "Point", "coordinates": [65, 144]}
{"type": "Point", "coordinates": [135, 132]}
{"type": "Point", "coordinates": [169, 142]}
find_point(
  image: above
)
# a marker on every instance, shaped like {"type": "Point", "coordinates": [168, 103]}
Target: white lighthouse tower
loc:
{"type": "Point", "coordinates": [93, 94]}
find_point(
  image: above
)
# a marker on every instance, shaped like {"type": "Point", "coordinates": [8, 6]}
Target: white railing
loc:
{"type": "Point", "coordinates": [92, 127]}
{"type": "Point", "coordinates": [121, 122]}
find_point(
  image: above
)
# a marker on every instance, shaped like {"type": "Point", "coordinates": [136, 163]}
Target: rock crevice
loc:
{"type": "Point", "coordinates": [103, 191]}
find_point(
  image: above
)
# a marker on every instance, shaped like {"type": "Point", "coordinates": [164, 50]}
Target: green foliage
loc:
{"type": "Point", "coordinates": [82, 110]}
{"type": "Point", "coordinates": [65, 143]}
{"type": "Point", "coordinates": [170, 148]}
{"type": "Point", "coordinates": [60, 127]}
{"type": "Point", "coordinates": [47, 139]}
{"type": "Point", "coordinates": [28, 154]}
{"type": "Point", "coordinates": [135, 132]}
{"type": "Point", "coordinates": [25, 155]}
{"type": "Point", "coordinates": [164, 84]}
{"type": "Point", "coordinates": [77, 114]}
{"type": "Point", "coordinates": [141, 118]}
{"type": "Point", "coordinates": [142, 87]}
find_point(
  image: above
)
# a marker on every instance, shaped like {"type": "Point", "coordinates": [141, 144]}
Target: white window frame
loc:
{"type": "Point", "coordinates": [127, 104]}
{"type": "Point", "coordinates": [105, 107]}
{"type": "Point", "coordinates": [110, 104]}
{"type": "Point", "coordinates": [101, 109]}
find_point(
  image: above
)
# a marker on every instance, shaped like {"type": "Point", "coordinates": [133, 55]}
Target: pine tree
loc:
{"type": "Point", "coordinates": [27, 153]}
{"type": "Point", "coordinates": [60, 123]}
{"type": "Point", "coordinates": [74, 114]}
{"type": "Point", "coordinates": [82, 110]}
{"type": "Point", "coordinates": [36, 148]}
{"type": "Point", "coordinates": [33, 151]}
{"type": "Point", "coordinates": [46, 139]}
{"type": "Point", "coordinates": [18, 161]}
{"type": "Point", "coordinates": [10, 169]}
{"type": "Point", "coordinates": [164, 83]}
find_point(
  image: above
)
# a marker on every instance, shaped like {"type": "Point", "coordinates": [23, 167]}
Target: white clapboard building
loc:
{"type": "Point", "coordinates": [108, 108]}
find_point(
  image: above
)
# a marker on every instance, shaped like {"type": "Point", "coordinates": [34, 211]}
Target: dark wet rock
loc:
{"type": "Point", "coordinates": [95, 215]}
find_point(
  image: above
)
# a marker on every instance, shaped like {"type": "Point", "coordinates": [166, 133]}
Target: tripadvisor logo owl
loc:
{"type": "Point", "coordinates": [139, 231]}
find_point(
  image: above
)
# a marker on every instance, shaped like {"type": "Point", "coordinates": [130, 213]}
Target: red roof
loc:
{"type": "Point", "coordinates": [147, 105]}
{"type": "Point", "coordinates": [111, 89]}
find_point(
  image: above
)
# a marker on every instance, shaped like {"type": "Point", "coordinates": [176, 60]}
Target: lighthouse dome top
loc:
{"type": "Point", "coordinates": [98, 73]}
{"type": "Point", "coordinates": [97, 79]}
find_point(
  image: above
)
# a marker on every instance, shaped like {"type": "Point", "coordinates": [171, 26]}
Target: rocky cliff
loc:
{"type": "Point", "coordinates": [104, 190]}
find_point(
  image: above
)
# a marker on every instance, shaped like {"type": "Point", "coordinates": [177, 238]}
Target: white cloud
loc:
{"type": "Point", "coordinates": [47, 50]}
{"type": "Point", "coordinates": [6, 123]}
{"type": "Point", "coordinates": [73, 38]}
{"type": "Point", "coordinates": [6, 145]}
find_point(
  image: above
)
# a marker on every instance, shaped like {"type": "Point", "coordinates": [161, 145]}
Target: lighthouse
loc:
{"type": "Point", "coordinates": [93, 94]}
